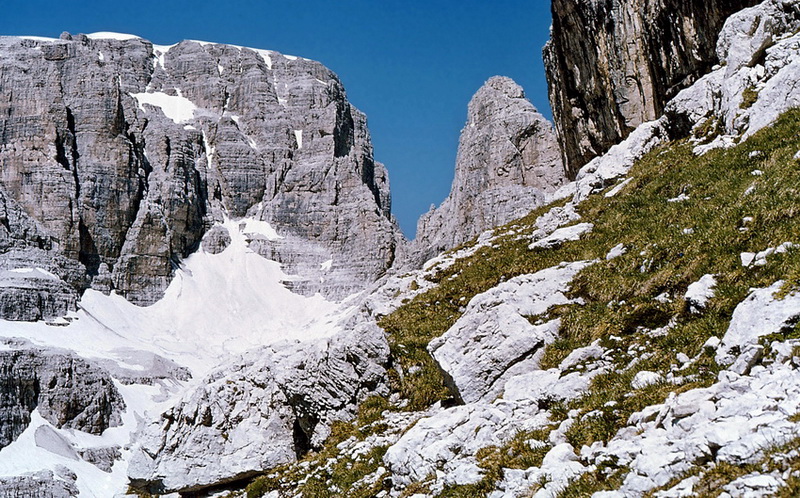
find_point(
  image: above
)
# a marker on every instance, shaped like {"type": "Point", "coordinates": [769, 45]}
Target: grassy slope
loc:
{"type": "Point", "coordinates": [618, 294]}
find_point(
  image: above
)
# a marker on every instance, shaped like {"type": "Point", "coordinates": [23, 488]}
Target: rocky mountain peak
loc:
{"type": "Point", "coordinates": [118, 155]}
{"type": "Point", "coordinates": [508, 160]}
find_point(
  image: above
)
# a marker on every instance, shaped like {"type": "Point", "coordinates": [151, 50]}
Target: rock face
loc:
{"type": "Point", "coordinates": [31, 294]}
{"type": "Point", "coordinates": [494, 338]}
{"type": "Point", "coordinates": [68, 392]}
{"type": "Point", "coordinates": [764, 67]}
{"type": "Point", "coordinates": [759, 47]}
{"type": "Point", "coordinates": [263, 410]}
{"type": "Point", "coordinates": [39, 485]}
{"type": "Point", "coordinates": [117, 155]}
{"type": "Point", "coordinates": [508, 159]}
{"type": "Point", "coordinates": [613, 64]}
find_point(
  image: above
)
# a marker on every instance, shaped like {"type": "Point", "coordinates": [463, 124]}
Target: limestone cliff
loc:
{"type": "Point", "coordinates": [67, 391]}
{"type": "Point", "coordinates": [613, 64]}
{"type": "Point", "coordinates": [508, 159]}
{"type": "Point", "coordinates": [117, 156]}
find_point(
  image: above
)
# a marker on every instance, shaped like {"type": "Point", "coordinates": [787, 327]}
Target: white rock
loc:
{"type": "Point", "coordinates": [712, 344]}
{"type": "Point", "coordinates": [601, 171]}
{"type": "Point", "coordinates": [758, 315]}
{"type": "Point", "coordinates": [616, 251]}
{"type": "Point", "coordinates": [680, 198]}
{"type": "Point", "coordinates": [684, 489]}
{"type": "Point", "coordinates": [562, 235]}
{"type": "Point", "coordinates": [747, 359]}
{"type": "Point", "coordinates": [645, 378]}
{"type": "Point", "coordinates": [699, 293]}
{"type": "Point", "coordinates": [582, 355]}
{"type": "Point", "coordinates": [747, 258]}
{"type": "Point", "coordinates": [768, 33]}
{"type": "Point", "coordinates": [493, 334]}
{"type": "Point", "coordinates": [561, 454]}
{"type": "Point", "coordinates": [617, 189]}
{"type": "Point", "coordinates": [547, 385]}
{"type": "Point", "coordinates": [560, 466]}
{"type": "Point", "coordinates": [448, 441]}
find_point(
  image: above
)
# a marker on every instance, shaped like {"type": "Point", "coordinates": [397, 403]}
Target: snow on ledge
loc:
{"type": "Point", "coordinates": [176, 107]}
{"type": "Point", "coordinates": [109, 35]}
{"type": "Point", "coordinates": [38, 38]}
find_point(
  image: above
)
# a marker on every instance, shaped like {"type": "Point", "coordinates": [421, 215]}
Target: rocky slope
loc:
{"type": "Point", "coordinates": [67, 391]}
{"type": "Point", "coordinates": [118, 156]}
{"type": "Point", "coordinates": [613, 65]}
{"type": "Point", "coordinates": [508, 161]}
{"type": "Point", "coordinates": [635, 335]}
{"type": "Point", "coordinates": [262, 410]}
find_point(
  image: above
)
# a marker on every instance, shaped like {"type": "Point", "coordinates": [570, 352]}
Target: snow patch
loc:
{"type": "Point", "coordinates": [258, 227]}
{"type": "Point", "coordinates": [38, 38]}
{"type": "Point", "coordinates": [266, 55]}
{"type": "Point", "coordinates": [109, 35]}
{"type": "Point", "coordinates": [298, 135]}
{"type": "Point", "coordinates": [176, 107]}
{"type": "Point", "coordinates": [160, 52]}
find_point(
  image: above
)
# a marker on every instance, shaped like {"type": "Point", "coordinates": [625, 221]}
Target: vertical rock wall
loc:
{"type": "Point", "coordinates": [613, 64]}
{"type": "Point", "coordinates": [117, 155]}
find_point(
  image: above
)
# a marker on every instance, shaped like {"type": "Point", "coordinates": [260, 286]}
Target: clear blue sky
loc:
{"type": "Point", "coordinates": [411, 66]}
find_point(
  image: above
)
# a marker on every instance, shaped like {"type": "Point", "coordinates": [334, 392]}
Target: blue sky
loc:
{"type": "Point", "coordinates": [411, 66]}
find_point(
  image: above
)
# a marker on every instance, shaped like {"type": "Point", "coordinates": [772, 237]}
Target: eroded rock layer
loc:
{"type": "Point", "coordinates": [68, 392]}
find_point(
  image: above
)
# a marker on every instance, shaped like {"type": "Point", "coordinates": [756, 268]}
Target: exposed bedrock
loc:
{"type": "Point", "coordinates": [614, 64]}
{"type": "Point", "coordinates": [508, 160]}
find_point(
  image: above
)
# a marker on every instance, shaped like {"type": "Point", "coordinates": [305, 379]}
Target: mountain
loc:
{"type": "Point", "coordinates": [166, 209]}
{"type": "Point", "coordinates": [508, 161]}
{"type": "Point", "coordinates": [631, 330]}
{"type": "Point", "coordinates": [118, 157]}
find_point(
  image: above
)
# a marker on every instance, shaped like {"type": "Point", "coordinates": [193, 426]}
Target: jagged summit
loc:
{"type": "Point", "coordinates": [508, 161]}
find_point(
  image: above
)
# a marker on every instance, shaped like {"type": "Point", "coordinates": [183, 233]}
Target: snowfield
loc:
{"type": "Point", "coordinates": [217, 306]}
